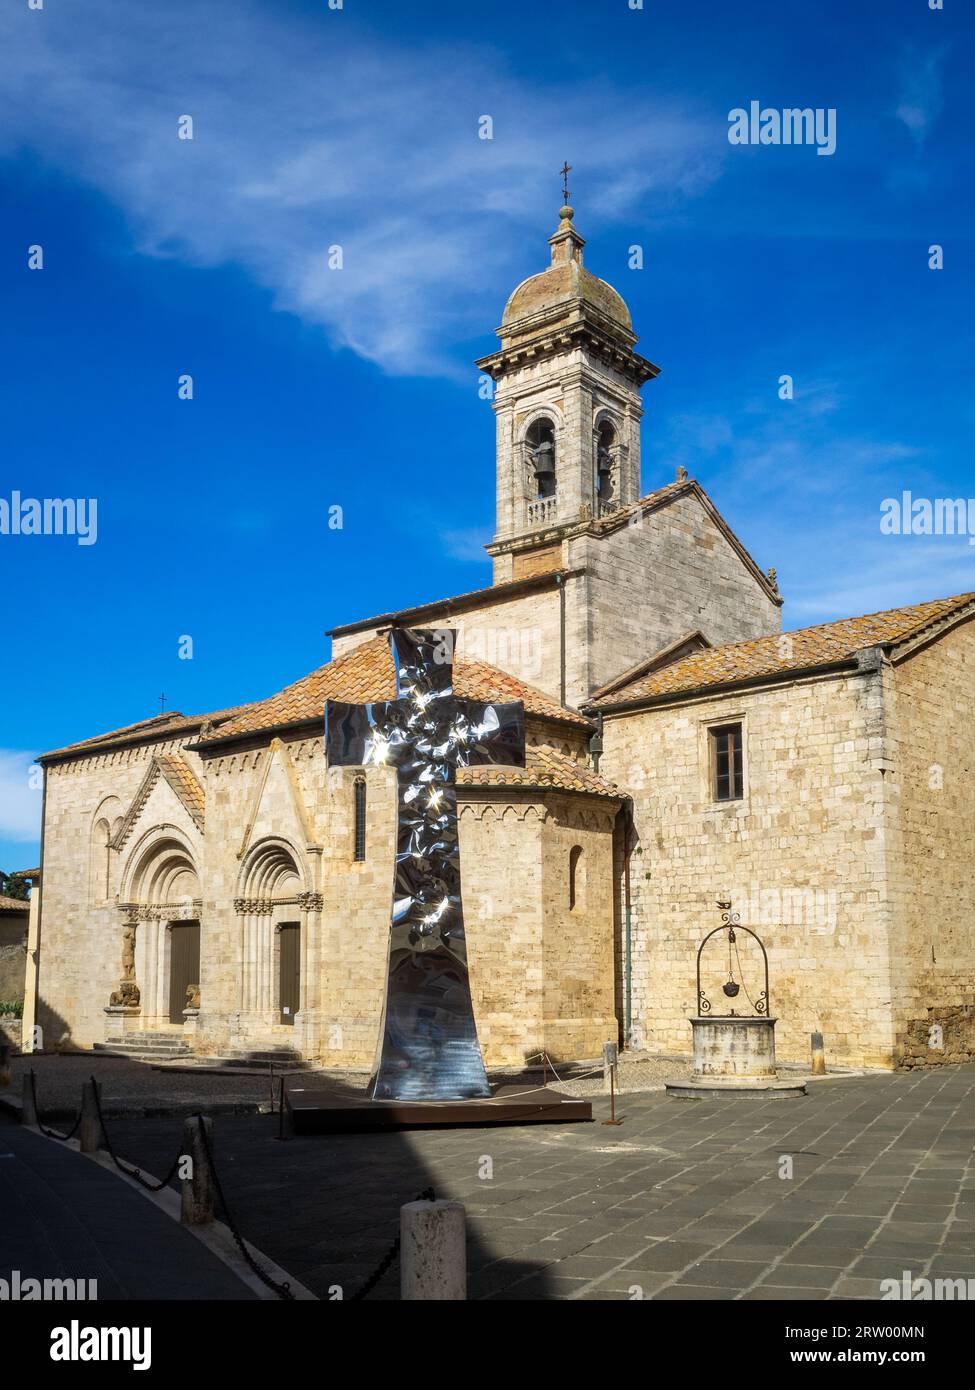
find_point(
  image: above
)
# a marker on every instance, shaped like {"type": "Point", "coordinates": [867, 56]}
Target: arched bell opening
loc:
{"type": "Point", "coordinates": [607, 467]}
{"type": "Point", "coordinates": [540, 453]}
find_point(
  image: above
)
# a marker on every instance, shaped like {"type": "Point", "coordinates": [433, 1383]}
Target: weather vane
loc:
{"type": "Point", "coordinates": [565, 172]}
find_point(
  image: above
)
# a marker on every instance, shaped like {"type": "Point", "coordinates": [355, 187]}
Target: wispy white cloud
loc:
{"type": "Point", "coordinates": [306, 139]}
{"type": "Point", "coordinates": [920, 95]}
{"type": "Point", "coordinates": [804, 483]}
{"type": "Point", "coordinates": [20, 802]}
{"type": "Point", "coordinates": [466, 544]}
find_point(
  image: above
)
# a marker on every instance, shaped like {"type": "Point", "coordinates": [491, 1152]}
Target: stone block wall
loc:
{"type": "Point", "coordinates": [650, 583]}
{"type": "Point", "coordinates": [80, 939]}
{"type": "Point", "coordinates": [279, 823]}
{"type": "Point", "coordinates": [520, 634]}
{"type": "Point", "coordinates": [802, 856]}
{"type": "Point", "coordinates": [931, 837]}
{"type": "Point", "coordinates": [13, 956]}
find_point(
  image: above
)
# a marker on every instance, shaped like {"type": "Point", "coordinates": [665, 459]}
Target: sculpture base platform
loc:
{"type": "Point", "coordinates": [321, 1112]}
{"type": "Point", "coordinates": [710, 1088]}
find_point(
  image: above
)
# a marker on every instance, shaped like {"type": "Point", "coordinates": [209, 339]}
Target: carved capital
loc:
{"type": "Point", "coordinates": [259, 907]}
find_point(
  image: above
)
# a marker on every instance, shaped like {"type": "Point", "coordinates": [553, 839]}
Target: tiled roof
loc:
{"type": "Point", "coordinates": [27, 873]}
{"type": "Point", "coordinates": [544, 767]}
{"type": "Point", "coordinates": [366, 674]}
{"type": "Point", "coordinates": [807, 649]}
{"type": "Point", "coordinates": [161, 725]}
{"type": "Point", "coordinates": [13, 904]}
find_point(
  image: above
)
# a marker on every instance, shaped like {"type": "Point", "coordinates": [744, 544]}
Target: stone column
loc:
{"type": "Point", "coordinates": [308, 1021]}
{"type": "Point", "coordinates": [124, 1004]}
{"type": "Point", "coordinates": [28, 1038]}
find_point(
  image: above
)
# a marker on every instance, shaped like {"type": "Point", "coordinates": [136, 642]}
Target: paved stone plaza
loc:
{"type": "Point", "coordinates": [684, 1200]}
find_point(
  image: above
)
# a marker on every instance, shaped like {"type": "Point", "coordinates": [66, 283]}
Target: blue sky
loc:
{"type": "Point", "coordinates": [315, 388]}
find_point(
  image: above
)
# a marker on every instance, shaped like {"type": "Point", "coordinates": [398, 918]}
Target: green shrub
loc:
{"type": "Point", "coordinates": [11, 1008]}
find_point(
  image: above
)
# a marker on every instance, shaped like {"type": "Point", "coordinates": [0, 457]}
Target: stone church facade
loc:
{"type": "Point", "coordinates": [211, 886]}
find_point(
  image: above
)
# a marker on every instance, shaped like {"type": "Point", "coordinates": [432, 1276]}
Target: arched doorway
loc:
{"type": "Point", "coordinates": [161, 893]}
{"type": "Point", "coordinates": [273, 907]}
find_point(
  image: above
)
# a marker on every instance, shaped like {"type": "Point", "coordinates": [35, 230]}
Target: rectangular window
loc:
{"type": "Point", "coordinates": [727, 776]}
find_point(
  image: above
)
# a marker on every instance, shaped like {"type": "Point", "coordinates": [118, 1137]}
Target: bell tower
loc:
{"type": "Point", "coordinates": [567, 405]}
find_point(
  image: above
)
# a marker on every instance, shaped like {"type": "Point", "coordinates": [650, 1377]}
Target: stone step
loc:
{"type": "Point", "coordinates": [141, 1050]}
{"type": "Point", "coordinates": [146, 1040]}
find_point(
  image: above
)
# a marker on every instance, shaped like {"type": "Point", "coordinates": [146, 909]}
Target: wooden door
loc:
{"type": "Point", "coordinates": [184, 965]}
{"type": "Point", "coordinates": [289, 947]}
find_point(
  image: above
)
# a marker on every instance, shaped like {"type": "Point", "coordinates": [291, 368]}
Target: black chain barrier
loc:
{"type": "Point", "coordinates": [135, 1173]}
{"type": "Point", "coordinates": [427, 1195]}
{"type": "Point", "coordinates": [282, 1290]}
{"type": "Point", "coordinates": [50, 1133]}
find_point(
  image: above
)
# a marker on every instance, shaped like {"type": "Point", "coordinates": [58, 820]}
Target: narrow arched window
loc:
{"type": "Point", "coordinates": [575, 877]}
{"type": "Point", "coordinates": [359, 792]}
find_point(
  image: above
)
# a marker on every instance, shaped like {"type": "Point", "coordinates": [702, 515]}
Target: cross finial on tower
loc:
{"type": "Point", "coordinates": [565, 172]}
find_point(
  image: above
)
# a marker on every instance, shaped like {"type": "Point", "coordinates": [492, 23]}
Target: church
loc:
{"type": "Point", "coordinates": [212, 887]}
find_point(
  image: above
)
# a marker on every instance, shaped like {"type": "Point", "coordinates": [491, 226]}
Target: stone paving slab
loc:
{"type": "Point", "coordinates": [64, 1217]}
{"type": "Point", "coordinates": [693, 1196]}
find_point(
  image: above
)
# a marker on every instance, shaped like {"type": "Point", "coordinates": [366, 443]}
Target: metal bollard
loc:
{"type": "Point", "coordinates": [610, 1058]}
{"type": "Point", "coordinates": [818, 1055]}
{"type": "Point", "coordinates": [90, 1134]}
{"type": "Point", "coordinates": [285, 1127]}
{"type": "Point", "coordinates": [433, 1251]}
{"type": "Point", "coordinates": [197, 1193]}
{"type": "Point", "coordinates": [28, 1106]}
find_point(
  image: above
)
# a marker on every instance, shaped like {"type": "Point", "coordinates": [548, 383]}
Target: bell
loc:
{"type": "Point", "coordinates": [604, 463]}
{"type": "Point", "coordinates": [543, 461]}
{"type": "Point", "coordinates": [731, 989]}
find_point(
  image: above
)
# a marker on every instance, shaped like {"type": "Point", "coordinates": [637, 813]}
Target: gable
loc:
{"type": "Point", "coordinates": [170, 789]}
{"type": "Point", "coordinates": [277, 806]}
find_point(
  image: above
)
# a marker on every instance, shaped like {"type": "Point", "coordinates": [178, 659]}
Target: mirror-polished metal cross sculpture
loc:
{"type": "Point", "coordinates": [428, 1047]}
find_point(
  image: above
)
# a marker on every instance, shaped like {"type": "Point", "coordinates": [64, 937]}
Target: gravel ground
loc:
{"type": "Point", "coordinates": [633, 1074]}
{"type": "Point", "coordinates": [130, 1087]}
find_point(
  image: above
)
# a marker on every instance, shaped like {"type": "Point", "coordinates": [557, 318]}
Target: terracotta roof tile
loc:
{"type": "Point", "coordinates": [544, 767]}
{"type": "Point", "coordinates": [366, 674]}
{"type": "Point", "coordinates": [805, 649]}
{"type": "Point", "coordinates": [13, 904]}
{"type": "Point", "coordinates": [161, 725]}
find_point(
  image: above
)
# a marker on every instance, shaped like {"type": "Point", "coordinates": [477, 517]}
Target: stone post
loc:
{"type": "Point", "coordinates": [818, 1055]}
{"type": "Point", "coordinates": [198, 1192]}
{"type": "Point", "coordinates": [433, 1251]}
{"type": "Point", "coordinates": [90, 1134]}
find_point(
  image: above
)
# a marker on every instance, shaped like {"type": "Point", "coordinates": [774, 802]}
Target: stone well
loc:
{"type": "Point", "coordinates": [734, 1054]}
